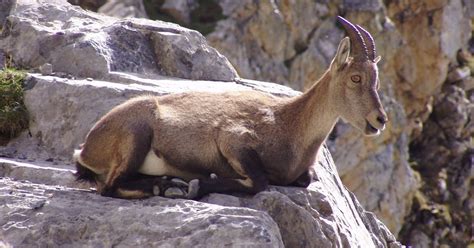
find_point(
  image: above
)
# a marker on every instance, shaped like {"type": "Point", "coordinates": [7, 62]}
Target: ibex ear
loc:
{"type": "Point", "coordinates": [342, 53]}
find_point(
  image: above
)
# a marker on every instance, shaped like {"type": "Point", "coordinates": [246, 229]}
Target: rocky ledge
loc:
{"type": "Point", "coordinates": [42, 205]}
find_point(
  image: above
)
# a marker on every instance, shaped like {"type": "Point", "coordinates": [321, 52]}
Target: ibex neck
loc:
{"type": "Point", "coordinates": [314, 113]}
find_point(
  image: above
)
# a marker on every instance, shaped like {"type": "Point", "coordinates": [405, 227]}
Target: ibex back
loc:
{"type": "Point", "coordinates": [248, 139]}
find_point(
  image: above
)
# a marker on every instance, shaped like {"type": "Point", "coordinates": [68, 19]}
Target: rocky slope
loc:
{"type": "Point", "coordinates": [89, 63]}
{"type": "Point", "coordinates": [291, 42]}
{"type": "Point", "coordinates": [443, 155]}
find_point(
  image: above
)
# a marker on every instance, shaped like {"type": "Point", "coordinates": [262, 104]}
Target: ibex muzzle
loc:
{"type": "Point", "coordinates": [360, 73]}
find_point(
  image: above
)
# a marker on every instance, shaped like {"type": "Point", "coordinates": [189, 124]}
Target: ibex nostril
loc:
{"type": "Point", "coordinates": [382, 119]}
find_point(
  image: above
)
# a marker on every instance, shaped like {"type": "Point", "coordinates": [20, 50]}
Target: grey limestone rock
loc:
{"type": "Point", "coordinates": [86, 44]}
{"type": "Point", "coordinates": [39, 215]}
{"type": "Point", "coordinates": [179, 9]}
{"type": "Point", "coordinates": [124, 9]}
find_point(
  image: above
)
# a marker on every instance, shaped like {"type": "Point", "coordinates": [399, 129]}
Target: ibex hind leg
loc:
{"type": "Point", "coordinates": [304, 180]}
{"type": "Point", "coordinates": [130, 154]}
{"type": "Point", "coordinates": [134, 189]}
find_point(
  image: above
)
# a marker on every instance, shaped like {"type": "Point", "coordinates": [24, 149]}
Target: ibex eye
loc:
{"type": "Point", "coordinates": [355, 79]}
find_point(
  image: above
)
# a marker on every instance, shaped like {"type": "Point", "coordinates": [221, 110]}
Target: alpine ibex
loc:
{"type": "Point", "coordinates": [248, 139]}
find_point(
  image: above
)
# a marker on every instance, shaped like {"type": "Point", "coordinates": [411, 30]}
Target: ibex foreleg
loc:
{"type": "Point", "coordinates": [247, 164]}
{"type": "Point", "coordinates": [303, 180]}
{"type": "Point", "coordinates": [143, 186]}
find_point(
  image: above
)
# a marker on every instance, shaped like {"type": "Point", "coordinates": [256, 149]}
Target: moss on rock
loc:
{"type": "Point", "coordinates": [13, 113]}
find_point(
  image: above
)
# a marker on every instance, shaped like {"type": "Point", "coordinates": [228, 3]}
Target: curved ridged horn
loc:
{"type": "Point", "coordinates": [358, 47]}
{"type": "Point", "coordinates": [369, 42]}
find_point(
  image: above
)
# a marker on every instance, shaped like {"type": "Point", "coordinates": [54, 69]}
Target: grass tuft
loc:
{"type": "Point", "coordinates": [13, 113]}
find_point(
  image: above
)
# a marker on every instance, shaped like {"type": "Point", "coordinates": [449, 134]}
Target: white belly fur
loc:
{"type": "Point", "coordinates": [154, 166]}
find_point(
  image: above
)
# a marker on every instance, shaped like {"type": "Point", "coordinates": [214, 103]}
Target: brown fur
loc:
{"type": "Point", "coordinates": [248, 139]}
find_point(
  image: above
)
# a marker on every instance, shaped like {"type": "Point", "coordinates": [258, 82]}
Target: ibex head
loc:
{"type": "Point", "coordinates": [355, 80]}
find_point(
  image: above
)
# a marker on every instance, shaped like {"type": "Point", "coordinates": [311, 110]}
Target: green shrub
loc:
{"type": "Point", "coordinates": [13, 113]}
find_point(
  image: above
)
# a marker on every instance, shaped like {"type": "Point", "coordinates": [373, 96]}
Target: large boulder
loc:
{"type": "Point", "coordinates": [42, 205]}
{"type": "Point", "coordinates": [60, 216]}
{"type": "Point", "coordinates": [86, 44]}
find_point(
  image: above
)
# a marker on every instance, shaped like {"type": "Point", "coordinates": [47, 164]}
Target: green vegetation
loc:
{"type": "Point", "coordinates": [13, 113]}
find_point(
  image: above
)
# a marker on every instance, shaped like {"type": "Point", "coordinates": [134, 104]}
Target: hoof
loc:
{"type": "Point", "coordinates": [193, 189]}
{"type": "Point", "coordinates": [179, 183]}
{"type": "Point", "coordinates": [175, 192]}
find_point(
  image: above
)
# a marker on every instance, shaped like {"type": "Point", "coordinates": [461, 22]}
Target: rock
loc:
{"type": "Point", "coordinates": [41, 172]}
{"type": "Point", "coordinates": [377, 168]}
{"type": "Point", "coordinates": [443, 28]}
{"type": "Point", "coordinates": [466, 84]}
{"type": "Point", "coordinates": [92, 5]}
{"type": "Point", "coordinates": [459, 74]}
{"type": "Point", "coordinates": [469, 5]}
{"type": "Point", "coordinates": [310, 65]}
{"type": "Point", "coordinates": [85, 44]}
{"type": "Point", "coordinates": [61, 216]}
{"type": "Point", "coordinates": [178, 52]}
{"type": "Point", "coordinates": [325, 213]}
{"type": "Point", "coordinates": [46, 69]}
{"type": "Point", "coordinates": [262, 39]}
{"type": "Point", "coordinates": [358, 5]}
{"type": "Point", "coordinates": [5, 6]}
{"type": "Point", "coordinates": [444, 153]}
{"type": "Point", "coordinates": [452, 103]}
{"type": "Point", "coordinates": [3, 60]}
{"type": "Point", "coordinates": [179, 9]}
{"type": "Point", "coordinates": [123, 9]}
